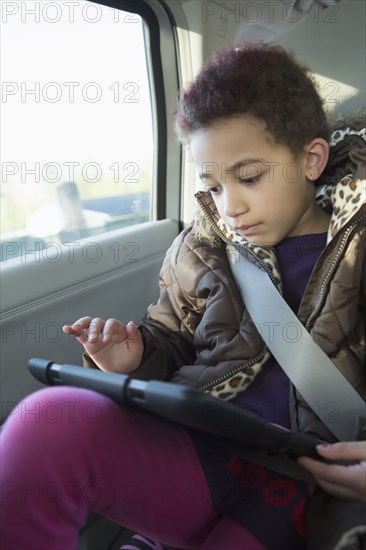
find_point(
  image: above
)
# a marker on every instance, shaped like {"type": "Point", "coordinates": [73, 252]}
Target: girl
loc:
{"type": "Point", "coordinates": [259, 137]}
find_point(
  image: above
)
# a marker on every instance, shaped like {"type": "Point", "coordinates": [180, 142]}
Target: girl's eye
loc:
{"type": "Point", "coordinates": [214, 190]}
{"type": "Point", "coordinates": [250, 181]}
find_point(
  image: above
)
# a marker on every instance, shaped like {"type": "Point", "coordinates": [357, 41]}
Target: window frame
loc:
{"type": "Point", "coordinates": [162, 62]}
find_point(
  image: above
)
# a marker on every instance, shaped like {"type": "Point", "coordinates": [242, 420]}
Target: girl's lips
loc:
{"type": "Point", "coordinates": [248, 229]}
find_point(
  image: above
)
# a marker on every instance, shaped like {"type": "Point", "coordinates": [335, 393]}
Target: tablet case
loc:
{"type": "Point", "coordinates": [183, 405]}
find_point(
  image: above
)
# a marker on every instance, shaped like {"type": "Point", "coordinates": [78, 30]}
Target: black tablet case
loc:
{"type": "Point", "coordinates": [183, 405]}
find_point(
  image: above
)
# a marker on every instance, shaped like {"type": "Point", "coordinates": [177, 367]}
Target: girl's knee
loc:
{"type": "Point", "coordinates": [60, 410]}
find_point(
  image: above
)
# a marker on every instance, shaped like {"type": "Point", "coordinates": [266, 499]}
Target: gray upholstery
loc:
{"type": "Point", "coordinates": [113, 275]}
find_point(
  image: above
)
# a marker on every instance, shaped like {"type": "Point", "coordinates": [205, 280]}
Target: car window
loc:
{"type": "Point", "coordinates": [77, 143]}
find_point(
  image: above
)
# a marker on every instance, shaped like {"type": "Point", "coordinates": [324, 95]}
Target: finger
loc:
{"type": "Point", "coordinates": [333, 479]}
{"type": "Point", "coordinates": [83, 321]}
{"type": "Point", "coordinates": [320, 469]}
{"type": "Point", "coordinates": [344, 450]}
{"type": "Point", "coordinates": [95, 332]}
{"type": "Point", "coordinates": [339, 491]}
{"type": "Point", "coordinates": [114, 331]}
{"type": "Point", "coordinates": [349, 476]}
{"type": "Point", "coordinates": [77, 328]}
{"type": "Point", "coordinates": [134, 335]}
{"type": "Point", "coordinates": [67, 329]}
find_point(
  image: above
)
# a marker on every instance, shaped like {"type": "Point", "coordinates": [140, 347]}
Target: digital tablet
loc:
{"type": "Point", "coordinates": [183, 405]}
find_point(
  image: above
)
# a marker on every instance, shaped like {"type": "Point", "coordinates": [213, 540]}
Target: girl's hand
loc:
{"type": "Point", "coordinates": [113, 346]}
{"type": "Point", "coordinates": [340, 481]}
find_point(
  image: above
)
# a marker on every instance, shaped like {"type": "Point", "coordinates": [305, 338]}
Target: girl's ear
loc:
{"type": "Point", "coordinates": [317, 154]}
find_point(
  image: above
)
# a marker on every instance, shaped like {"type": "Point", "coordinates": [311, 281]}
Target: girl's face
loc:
{"type": "Point", "coordinates": [258, 187]}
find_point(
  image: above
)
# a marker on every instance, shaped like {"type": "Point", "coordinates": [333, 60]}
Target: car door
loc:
{"type": "Point", "coordinates": [91, 186]}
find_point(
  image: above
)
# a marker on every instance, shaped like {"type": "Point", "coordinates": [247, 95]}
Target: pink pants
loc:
{"type": "Point", "coordinates": [68, 452]}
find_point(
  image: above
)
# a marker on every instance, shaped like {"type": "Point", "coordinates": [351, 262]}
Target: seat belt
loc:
{"type": "Point", "coordinates": [319, 381]}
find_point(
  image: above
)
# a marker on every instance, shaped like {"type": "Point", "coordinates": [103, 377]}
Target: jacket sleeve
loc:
{"type": "Point", "coordinates": [168, 326]}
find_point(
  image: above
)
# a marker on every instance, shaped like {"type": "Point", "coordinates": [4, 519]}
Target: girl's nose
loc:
{"type": "Point", "coordinates": [234, 204]}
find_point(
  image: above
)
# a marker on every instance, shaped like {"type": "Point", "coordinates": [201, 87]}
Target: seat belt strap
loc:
{"type": "Point", "coordinates": [319, 381]}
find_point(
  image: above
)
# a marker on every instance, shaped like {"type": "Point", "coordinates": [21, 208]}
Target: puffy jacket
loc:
{"type": "Point", "coordinates": [199, 332]}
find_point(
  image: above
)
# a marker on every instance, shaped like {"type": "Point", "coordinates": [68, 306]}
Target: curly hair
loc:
{"type": "Point", "coordinates": [262, 80]}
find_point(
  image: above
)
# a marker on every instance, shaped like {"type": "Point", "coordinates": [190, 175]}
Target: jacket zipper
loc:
{"type": "Point", "coordinates": [258, 357]}
{"type": "Point", "coordinates": [344, 239]}
{"type": "Point", "coordinates": [233, 371]}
